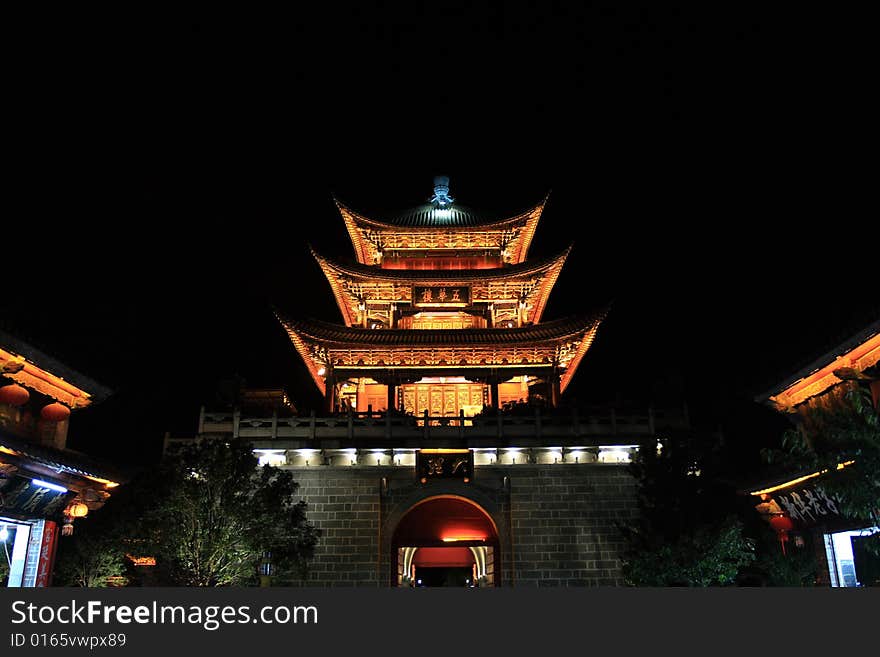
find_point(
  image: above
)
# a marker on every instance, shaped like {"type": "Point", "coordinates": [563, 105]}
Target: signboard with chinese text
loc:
{"type": "Point", "coordinates": [23, 497]}
{"type": "Point", "coordinates": [445, 464]}
{"type": "Point", "coordinates": [807, 505]}
{"type": "Point", "coordinates": [457, 296]}
{"type": "Point", "coordinates": [47, 554]}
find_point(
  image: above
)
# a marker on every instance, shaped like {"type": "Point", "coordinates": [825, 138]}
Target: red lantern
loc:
{"type": "Point", "coordinates": [55, 412]}
{"type": "Point", "coordinates": [782, 524]}
{"type": "Point", "coordinates": [14, 395]}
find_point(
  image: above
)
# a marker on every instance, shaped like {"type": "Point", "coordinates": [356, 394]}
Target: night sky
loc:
{"type": "Point", "coordinates": [173, 176]}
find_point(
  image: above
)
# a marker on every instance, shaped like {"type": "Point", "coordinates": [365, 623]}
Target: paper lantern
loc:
{"type": "Point", "coordinates": [14, 395]}
{"type": "Point", "coordinates": [78, 510]}
{"type": "Point", "coordinates": [55, 412]}
{"type": "Point", "coordinates": [781, 523]}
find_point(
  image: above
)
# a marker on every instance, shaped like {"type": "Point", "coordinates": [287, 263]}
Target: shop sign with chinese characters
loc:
{"type": "Point", "coordinates": [807, 505]}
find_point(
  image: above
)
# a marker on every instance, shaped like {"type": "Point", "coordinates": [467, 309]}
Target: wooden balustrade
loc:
{"type": "Point", "coordinates": [562, 426]}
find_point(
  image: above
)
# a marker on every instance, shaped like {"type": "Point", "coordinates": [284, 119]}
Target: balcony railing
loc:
{"type": "Point", "coordinates": [379, 429]}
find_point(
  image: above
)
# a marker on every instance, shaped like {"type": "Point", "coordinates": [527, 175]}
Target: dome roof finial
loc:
{"type": "Point", "coordinates": [441, 196]}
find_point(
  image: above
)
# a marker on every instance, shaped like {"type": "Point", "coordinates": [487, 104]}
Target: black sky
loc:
{"type": "Point", "coordinates": [172, 175]}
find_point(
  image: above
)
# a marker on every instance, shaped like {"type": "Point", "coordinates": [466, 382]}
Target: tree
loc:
{"type": "Point", "coordinates": [88, 558]}
{"type": "Point", "coordinates": [210, 515]}
{"type": "Point", "coordinates": [687, 532]}
{"type": "Point", "coordinates": [838, 434]}
{"type": "Point", "coordinates": [702, 556]}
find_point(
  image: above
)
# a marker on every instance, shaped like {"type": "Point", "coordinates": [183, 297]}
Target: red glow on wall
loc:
{"type": "Point", "coordinates": [437, 557]}
{"type": "Point", "coordinates": [429, 523]}
{"type": "Point", "coordinates": [453, 263]}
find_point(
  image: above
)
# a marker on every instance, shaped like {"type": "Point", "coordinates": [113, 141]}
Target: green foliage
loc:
{"type": "Point", "coordinates": [89, 557]}
{"type": "Point", "coordinates": [839, 427]}
{"type": "Point", "coordinates": [210, 513]}
{"type": "Point", "coordinates": [678, 539]}
{"type": "Point", "coordinates": [796, 567]}
{"type": "Point", "coordinates": [712, 555]}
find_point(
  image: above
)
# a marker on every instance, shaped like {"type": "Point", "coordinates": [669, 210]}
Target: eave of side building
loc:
{"type": "Point", "coordinates": [19, 362]}
{"type": "Point", "coordinates": [853, 356]}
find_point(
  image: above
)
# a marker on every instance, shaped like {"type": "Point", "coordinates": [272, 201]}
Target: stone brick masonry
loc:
{"type": "Point", "coordinates": [556, 523]}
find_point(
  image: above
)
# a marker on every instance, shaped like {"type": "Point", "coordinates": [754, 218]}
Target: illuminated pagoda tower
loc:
{"type": "Point", "coordinates": [408, 482]}
{"type": "Point", "coordinates": [442, 315]}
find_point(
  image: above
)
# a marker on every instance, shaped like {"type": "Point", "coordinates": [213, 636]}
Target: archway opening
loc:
{"type": "Point", "coordinates": [446, 541]}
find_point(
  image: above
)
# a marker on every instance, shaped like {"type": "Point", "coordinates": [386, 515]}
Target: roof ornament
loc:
{"type": "Point", "coordinates": [441, 196]}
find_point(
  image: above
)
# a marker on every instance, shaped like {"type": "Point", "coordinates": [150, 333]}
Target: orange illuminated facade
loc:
{"type": "Point", "coordinates": [442, 315]}
{"type": "Point", "coordinates": [818, 378]}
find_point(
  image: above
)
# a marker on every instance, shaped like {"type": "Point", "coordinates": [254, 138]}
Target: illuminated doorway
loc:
{"type": "Point", "coordinates": [446, 541]}
{"type": "Point", "coordinates": [850, 562]}
{"type": "Point", "coordinates": [18, 551]}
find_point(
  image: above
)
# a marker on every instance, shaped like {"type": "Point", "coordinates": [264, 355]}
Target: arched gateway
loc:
{"type": "Point", "coordinates": [446, 540]}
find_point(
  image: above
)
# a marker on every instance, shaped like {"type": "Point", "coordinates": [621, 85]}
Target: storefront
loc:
{"type": "Point", "coordinates": [801, 512]}
{"type": "Point", "coordinates": [44, 487]}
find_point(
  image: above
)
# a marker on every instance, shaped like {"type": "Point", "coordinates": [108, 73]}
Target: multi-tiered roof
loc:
{"type": "Point", "coordinates": [443, 291]}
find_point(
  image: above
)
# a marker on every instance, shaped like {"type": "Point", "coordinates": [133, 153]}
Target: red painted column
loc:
{"type": "Point", "coordinates": [48, 548]}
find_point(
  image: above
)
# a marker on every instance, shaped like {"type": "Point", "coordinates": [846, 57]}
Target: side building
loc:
{"type": "Point", "coordinates": [796, 504]}
{"type": "Point", "coordinates": [44, 486]}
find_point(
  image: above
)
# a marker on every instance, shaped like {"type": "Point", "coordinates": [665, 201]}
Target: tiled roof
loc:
{"type": "Point", "coordinates": [430, 216]}
{"type": "Point", "coordinates": [326, 332]}
{"type": "Point", "coordinates": [62, 460]}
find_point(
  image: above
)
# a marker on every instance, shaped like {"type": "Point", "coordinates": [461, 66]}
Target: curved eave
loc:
{"type": "Point", "coordinates": [547, 285]}
{"type": "Point", "coordinates": [530, 216]}
{"type": "Point", "coordinates": [585, 343]}
{"type": "Point", "coordinates": [335, 336]}
{"type": "Point", "coordinates": [342, 299]}
{"type": "Point", "coordinates": [524, 241]}
{"type": "Point", "coordinates": [361, 247]}
{"type": "Point", "coordinates": [303, 350]}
